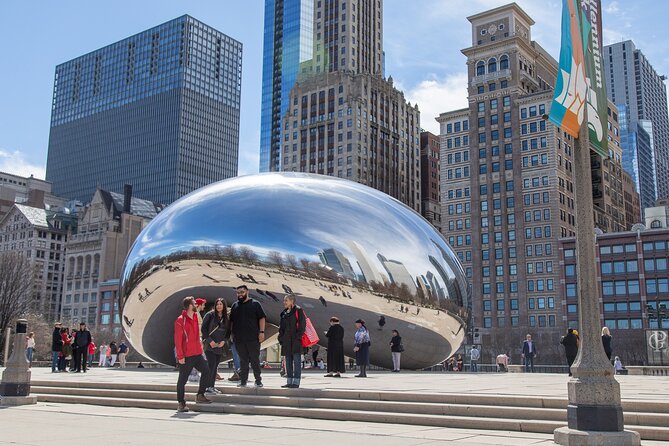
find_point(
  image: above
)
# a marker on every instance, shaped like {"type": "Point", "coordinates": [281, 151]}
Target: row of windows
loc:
{"type": "Point", "coordinates": [541, 321]}
{"type": "Point", "coordinates": [494, 150]}
{"type": "Point", "coordinates": [457, 126]}
{"type": "Point", "coordinates": [497, 220]}
{"type": "Point", "coordinates": [495, 166]}
{"type": "Point", "coordinates": [494, 135]}
{"type": "Point", "coordinates": [492, 86]}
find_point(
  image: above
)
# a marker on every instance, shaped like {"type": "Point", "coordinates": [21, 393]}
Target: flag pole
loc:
{"type": "Point", "coordinates": [594, 413]}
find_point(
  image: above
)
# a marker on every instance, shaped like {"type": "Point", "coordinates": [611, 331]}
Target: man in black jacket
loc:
{"type": "Point", "coordinates": [82, 339]}
{"type": "Point", "coordinates": [56, 347]}
{"type": "Point", "coordinates": [570, 342]}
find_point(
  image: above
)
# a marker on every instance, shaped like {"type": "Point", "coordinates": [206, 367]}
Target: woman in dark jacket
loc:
{"type": "Point", "coordinates": [335, 335]}
{"type": "Point", "coordinates": [396, 350]}
{"type": "Point", "coordinates": [570, 342]}
{"type": "Point", "coordinates": [606, 342]}
{"type": "Point", "coordinates": [291, 330]}
{"type": "Point", "coordinates": [361, 349]}
{"type": "Point", "coordinates": [215, 326]}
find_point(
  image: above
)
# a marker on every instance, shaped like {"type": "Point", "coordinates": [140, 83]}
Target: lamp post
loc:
{"type": "Point", "coordinates": [594, 413]}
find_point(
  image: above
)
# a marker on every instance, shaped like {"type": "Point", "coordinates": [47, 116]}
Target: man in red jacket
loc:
{"type": "Point", "coordinates": [189, 353]}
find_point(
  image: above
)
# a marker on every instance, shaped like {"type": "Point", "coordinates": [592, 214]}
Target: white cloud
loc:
{"type": "Point", "coordinates": [438, 95]}
{"type": "Point", "coordinates": [612, 8]}
{"type": "Point", "coordinates": [15, 163]}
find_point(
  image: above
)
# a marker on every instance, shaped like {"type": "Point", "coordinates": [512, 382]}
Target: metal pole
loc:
{"type": "Point", "coordinates": [594, 413]}
{"type": "Point", "coordinates": [8, 339]}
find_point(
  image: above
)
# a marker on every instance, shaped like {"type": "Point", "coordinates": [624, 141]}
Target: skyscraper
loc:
{"type": "Point", "coordinates": [288, 43]}
{"type": "Point", "coordinates": [638, 155]}
{"type": "Point", "coordinates": [158, 110]}
{"type": "Point", "coordinates": [429, 178]}
{"type": "Point", "coordinates": [632, 81]}
{"type": "Point", "coordinates": [344, 118]}
{"type": "Point", "coordinates": [507, 182]}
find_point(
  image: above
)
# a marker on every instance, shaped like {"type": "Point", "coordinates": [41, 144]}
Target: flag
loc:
{"type": "Point", "coordinates": [580, 81]}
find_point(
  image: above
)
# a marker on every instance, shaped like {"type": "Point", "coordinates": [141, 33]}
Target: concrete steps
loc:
{"type": "Point", "coordinates": [469, 411]}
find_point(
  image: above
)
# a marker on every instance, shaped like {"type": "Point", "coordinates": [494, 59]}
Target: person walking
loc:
{"type": "Point", "coordinates": [113, 353]}
{"type": "Point", "coordinates": [396, 350]}
{"type": "Point", "coordinates": [82, 339]}
{"type": "Point", "coordinates": [606, 341]}
{"type": "Point", "coordinates": [56, 348]}
{"type": "Point", "coordinates": [361, 348]}
{"type": "Point", "coordinates": [91, 353]}
{"type": "Point", "coordinates": [189, 353]}
{"type": "Point", "coordinates": [247, 327]}
{"type": "Point", "coordinates": [570, 343]}
{"type": "Point", "coordinates": [291, 329]}
{"type": "Point", "coordinates": [529, 353]}
{"type": "Point", "coordinates": [102, 361]}
{"type": "Point", "coordinates": [335, 335]}
{"type": "Point", "coordinates": [122, 354]}
{"type": "Point", "coordinates": [474, 356]}
{"type": "Point", "coordinates": [215, 325]}
{"type": "Point", "coordinates": [30, 348]}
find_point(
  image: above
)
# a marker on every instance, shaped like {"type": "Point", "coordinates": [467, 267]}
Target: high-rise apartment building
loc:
{"type": "Point", "coordinates": [158, 110]}
{"type": "Point", "coordinates": [344, 117]}
{"type": "Point", "coordinates": [429, 178]}
{"type": "Point", "coordinates": [288, 44]}
{"type": "Point", "coordinates": [507, 184]}
{"type": "Point", "coordinates": [632, 202]}
{"type": "Point", "coordinates": [40, 236]}
{"type": "Point", "coordinates": [632, 81]}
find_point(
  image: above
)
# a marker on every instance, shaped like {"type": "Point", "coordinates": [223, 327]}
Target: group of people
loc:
{"type": "Point", "coordinates": [74, 350]}
{"type": "Point", "coordinates": [200, 343]}
{"type": "Point", "coordinates": [571, 342]}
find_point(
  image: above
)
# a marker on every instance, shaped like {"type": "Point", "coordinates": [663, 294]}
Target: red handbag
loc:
{"type": "Point", "coordinates": [310, 336]}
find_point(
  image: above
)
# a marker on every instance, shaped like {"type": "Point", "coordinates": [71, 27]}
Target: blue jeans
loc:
{"type": "Point", "coordinates": [54, 360]}
{"type": "Point", "coordinates": [473, 365]}
{"type": "Point", "coordinates": [29, 354]}
{"type": "Point", "coordinates": [529, 363]}
{"type": "Point", "coordinates": [294, 368]}
{"type": "Point", "coordinates": [235, 357]}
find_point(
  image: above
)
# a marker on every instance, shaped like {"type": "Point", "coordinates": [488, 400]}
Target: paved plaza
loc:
{"type": "Point", "coordinates": [47, 422]}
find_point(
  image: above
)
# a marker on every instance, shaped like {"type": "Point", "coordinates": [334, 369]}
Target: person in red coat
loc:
{"type": "Point", "coordinates": [189, 353]}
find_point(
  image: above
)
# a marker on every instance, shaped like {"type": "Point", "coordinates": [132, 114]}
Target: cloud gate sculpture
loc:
{"type": "Point", "coordinates": [342, 248]}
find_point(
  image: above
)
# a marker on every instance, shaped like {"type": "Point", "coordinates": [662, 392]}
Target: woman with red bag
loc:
{"type": "Point", "coordinates": [291, 329]}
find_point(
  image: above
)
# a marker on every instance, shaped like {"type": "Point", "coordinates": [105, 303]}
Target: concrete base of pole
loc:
{"type": "Point", "coordinates": [18, 400]}
{"type": "Point", "coordinates": [572, 437]}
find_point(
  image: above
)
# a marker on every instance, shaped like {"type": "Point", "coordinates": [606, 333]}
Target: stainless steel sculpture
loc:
{"type": "Point", "coordinates": [343, 248]}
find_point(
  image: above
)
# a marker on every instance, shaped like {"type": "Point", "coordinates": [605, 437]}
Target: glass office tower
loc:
{"type": "Point", "coordinates": [158, 110]}
{"type": "Point", "coordinates": [288, 41]}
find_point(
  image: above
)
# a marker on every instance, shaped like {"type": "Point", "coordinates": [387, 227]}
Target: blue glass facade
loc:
{"type": "Point", "coordinates": [638, 155]}
{"type": "Point", "coordinates": [158, 110]}
{"type": "Point", "coordinates": [288, 42]}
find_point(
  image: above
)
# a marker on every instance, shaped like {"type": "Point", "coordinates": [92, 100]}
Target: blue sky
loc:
{"type": "Point", "coordinates": [422, 40]}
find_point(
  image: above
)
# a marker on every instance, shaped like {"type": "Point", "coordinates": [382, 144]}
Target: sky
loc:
{"type": "Point", "coordinates": [422, 42]}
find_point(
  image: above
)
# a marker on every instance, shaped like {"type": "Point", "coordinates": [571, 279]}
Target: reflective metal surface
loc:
{"type": "Point", "coordinates": [344, 249]}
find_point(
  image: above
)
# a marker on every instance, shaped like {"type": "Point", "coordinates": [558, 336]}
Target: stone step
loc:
{"type": "Point", "coordinates": [645, 406]}
{"type": "Point", "coordinates": [525, 424]}
{"type": "Point", "coordinates": [301, 398]}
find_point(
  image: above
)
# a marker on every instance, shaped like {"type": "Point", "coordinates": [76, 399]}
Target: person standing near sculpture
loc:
{"type": "Point", "coordinates": [91, 352]}
{"type": "Point", "coordinates": [215, 325]}
{"type": "Point", "coordinates": [361, 349]}
{"type": "Point", "coordinates": [82, 339]}
{"type": "Point", "coordinates": [474, 356]}
{"type": "Point", "coordinates": [529, 352]}
{"type": "Point", "coordinates": [291, 329]}
{"type": "Point", "coordinates": [396, 350]}
{"type": "Point", "coordinates": [122, 354]}
{"type": "Point", "coordinates": [189, 353]}
{"type": "Point", "coordinates": [247, 327]}
{"type": "Point", "coordinates": [570, 343]}
{"type": "Point", "coordinates": [30, 348]}
{"type": "Point", "coordinates": [56, 348]}
{"type": "Point", "coordinates": [335, 335]}
{"type": "Point", "coordinates": [606, 341]}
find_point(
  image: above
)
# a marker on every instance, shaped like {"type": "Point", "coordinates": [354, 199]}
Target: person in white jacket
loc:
{"type": "Point", "coordinates": [103, 355]}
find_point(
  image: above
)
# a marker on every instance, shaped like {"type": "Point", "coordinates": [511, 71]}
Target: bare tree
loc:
{"type": "Point", "coordinates": [276, 259]}
{"type": "Point", "coordinates": [16, 276]}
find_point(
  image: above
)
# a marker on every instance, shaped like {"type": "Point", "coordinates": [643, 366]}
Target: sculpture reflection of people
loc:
{"type": "Point", "coordinates": [335, 335]}
{"type": "Point", "coordinates": [247, 325]}
{"type": "Point", "coordinates": [214, 331]}
{"type": "Point", "coordinates": [189, 353]}
{"type": "Point", "coordinates": [291, 329]}
{"type": "Point", "coordinates": [396, 350]}
{"type": "Point", "coordinates": [361, 349]}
